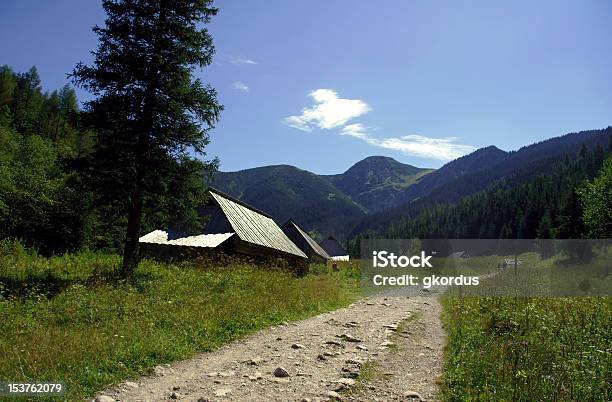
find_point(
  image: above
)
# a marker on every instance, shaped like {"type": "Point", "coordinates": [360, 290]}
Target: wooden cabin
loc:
{"type": "Point", "coordinates": [232, 227]}
{"type": "Point", "coordinates": [315, 253]}
{"type": "Point", "coordinates": [334, 249]}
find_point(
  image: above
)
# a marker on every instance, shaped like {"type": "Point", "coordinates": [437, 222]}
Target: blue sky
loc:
{"type": "Point", "coordinates": [323, 84]}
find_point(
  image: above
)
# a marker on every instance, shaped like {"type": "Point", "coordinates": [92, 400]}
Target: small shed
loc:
{"type": "Point", "coordinates": [334, 249]}
{"type": "Point", "coordinates": [460, 254]}
{"type": "Point", "coordinates": [232, 227]}
{"type": "Point", "coordinates": [315, 253]}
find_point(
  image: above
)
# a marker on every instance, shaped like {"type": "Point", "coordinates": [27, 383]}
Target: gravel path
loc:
{"type": "Point", "coordinates": [373, 350]}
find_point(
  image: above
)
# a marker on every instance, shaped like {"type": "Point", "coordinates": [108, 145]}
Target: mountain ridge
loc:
{"type": "Point", "coordinates": [516, 168]}
{"type": "Point", "coordinates": [285, 191]}
{"type": "Point", "coordinates": [375, 182]}
{"type": "Point", "coordinates": [344, 203]}
{"type": "Point", "coordinates": [328, 204]}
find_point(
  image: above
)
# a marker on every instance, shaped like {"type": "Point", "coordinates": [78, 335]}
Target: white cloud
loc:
{"type": "Point", "coordinates": [329, 111]}
{"type": "Point", "coordinates": [356, 130]}
{"type": "Point", "coordinates": [444, 149]}
{"type": "Point", "coordinates": [239, 85]}
{"type": "Point", "coordinates": [239, 60]}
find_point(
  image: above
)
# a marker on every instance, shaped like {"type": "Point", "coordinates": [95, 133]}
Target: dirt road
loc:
{"type": "Point", "coordinates": [374, 350]}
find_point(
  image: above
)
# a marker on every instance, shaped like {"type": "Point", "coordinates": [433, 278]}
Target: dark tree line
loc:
{"type": "Point", "coordinates": [40, 137]}
{"type": "Point", "coordinates": [482, 169]}
{"type": "Point", "coordinates": [560, 204]}
{"type": "Point", "coordinates": [101, 176]}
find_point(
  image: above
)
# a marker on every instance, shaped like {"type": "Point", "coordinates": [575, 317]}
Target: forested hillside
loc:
{"type": "Point", "coordinates": [481, 160]}
{"type": "Point", "coordinates": [325, 204]}
{"type": "Point", "coordinates": [41, 201]}
{"type": "Point", "coordinates": [288, 192]}
{"type": "Point", "coordinates": [560, 202]}
{"type": "Point", "coordinates": [379, 192]}
{"type": "Point", "coordinates": [58, 191]}
{"type": "Point", "coordinates": [499, 170]}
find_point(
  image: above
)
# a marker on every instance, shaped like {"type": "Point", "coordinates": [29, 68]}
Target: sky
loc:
{"type": "Point", "coordinates": [323, 84]}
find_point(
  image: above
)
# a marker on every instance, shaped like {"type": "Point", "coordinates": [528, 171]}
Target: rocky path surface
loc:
{"type": "Point", "coordinates": [379, 349]}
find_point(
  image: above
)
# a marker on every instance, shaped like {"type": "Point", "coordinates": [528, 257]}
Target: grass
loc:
{"type": "Point", "coordinates": [66, 319]}
{"type": "Point", "coordinates": [403, 326]}
{"type": "Point", "coordinates": [517, 348]}
{"type": "Point", "coordinates": [369, 372]}
{"type": "Point", "coordinates": [528, 349]}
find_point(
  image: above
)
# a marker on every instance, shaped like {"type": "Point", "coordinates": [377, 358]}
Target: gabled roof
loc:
{"type": "Point", "coordinates": [332, 247]}
{"type": "Point", "coordinates": [204, 240]}
{"type": "Point", "coordinates": [304, 239]}
{"type": "Point", "coordinates": [252, 225]}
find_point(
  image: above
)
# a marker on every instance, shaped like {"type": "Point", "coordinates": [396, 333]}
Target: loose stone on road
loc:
{"type": "Point", "coordinates": [375, 349]}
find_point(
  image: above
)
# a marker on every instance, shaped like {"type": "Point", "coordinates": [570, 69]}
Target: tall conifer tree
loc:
{"type": "Point", "coordinates": [149, 111]}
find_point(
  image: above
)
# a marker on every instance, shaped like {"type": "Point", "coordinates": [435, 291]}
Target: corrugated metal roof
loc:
{"type": "Point", "coordinates": [204, 240]}
{"type": "Point", "coordinates": [253, 226]}
{"type": "Point", "coordinates": [309, 240]}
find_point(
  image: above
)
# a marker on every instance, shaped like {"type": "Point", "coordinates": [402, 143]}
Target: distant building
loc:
{"type": "Point", "coordinates": [334, 249]}
{"type": "Point", "coordinates": [232, 227]}
{"type": "Point", "coordinates": [315, 253]}
{"type": "Point", "coordinates": [460, 254]}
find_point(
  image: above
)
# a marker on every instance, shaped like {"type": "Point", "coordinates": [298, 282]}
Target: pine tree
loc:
{"type": "Point", "coordinates": [8, 82]}
{"type": "Point", "coordinates": [149, 111]}
{"type": "Point", "coordinates": [596, 198]}
{"type": "Point", "coordinates": [28, 102]}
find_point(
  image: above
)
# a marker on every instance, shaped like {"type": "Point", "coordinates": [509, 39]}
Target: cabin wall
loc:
{"type": "Point", "coordinates": [236, 247]}
{"type": "Point", "coordinates": [172, 252]}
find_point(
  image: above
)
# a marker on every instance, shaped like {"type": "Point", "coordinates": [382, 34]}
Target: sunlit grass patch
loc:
{"type": "Point", "coordinates": [95, 330]}
{"type": "Point", "coordinates": [505, 348]}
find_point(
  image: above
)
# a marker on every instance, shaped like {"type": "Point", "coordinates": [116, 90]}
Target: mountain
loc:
{"type": "Point", "coordinates": [514, 167]}
{"type": "Point", "coordinates": [547, 205]}
{"type": "Point", "coordinates": [328, 204]}
{"type": "Point", "coordinates": [482, 169]}
{"type": "Point", "coordinates": [377, 191]}
{"type": "Point", "coordinates": [482, 159]}
{"type": "Point", "coordinates": [377, 182]}
{"type": "Point", "coordinates": [288, 192]}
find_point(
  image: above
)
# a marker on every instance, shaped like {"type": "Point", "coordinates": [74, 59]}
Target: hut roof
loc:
{"type": "Point", "coordinates": [332, 247]}
{"type": "Point", "coordinates": [203, 240]}
{"type": "Point", "coordinates": [254, 226]}
{"type": "Point", "coordinates": [303, 240]}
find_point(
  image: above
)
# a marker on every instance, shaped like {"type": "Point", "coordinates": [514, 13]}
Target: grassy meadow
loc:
{"type": "Point", "coordinates": [528, 349]}
{"type": "Point", "coordinates": [67, 318]}
{"type": "Point", "coordinates": [508, 348]}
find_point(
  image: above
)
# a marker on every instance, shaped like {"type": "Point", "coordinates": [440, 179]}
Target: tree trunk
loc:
{"type": "Point", "coordinates": [131, 251]}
